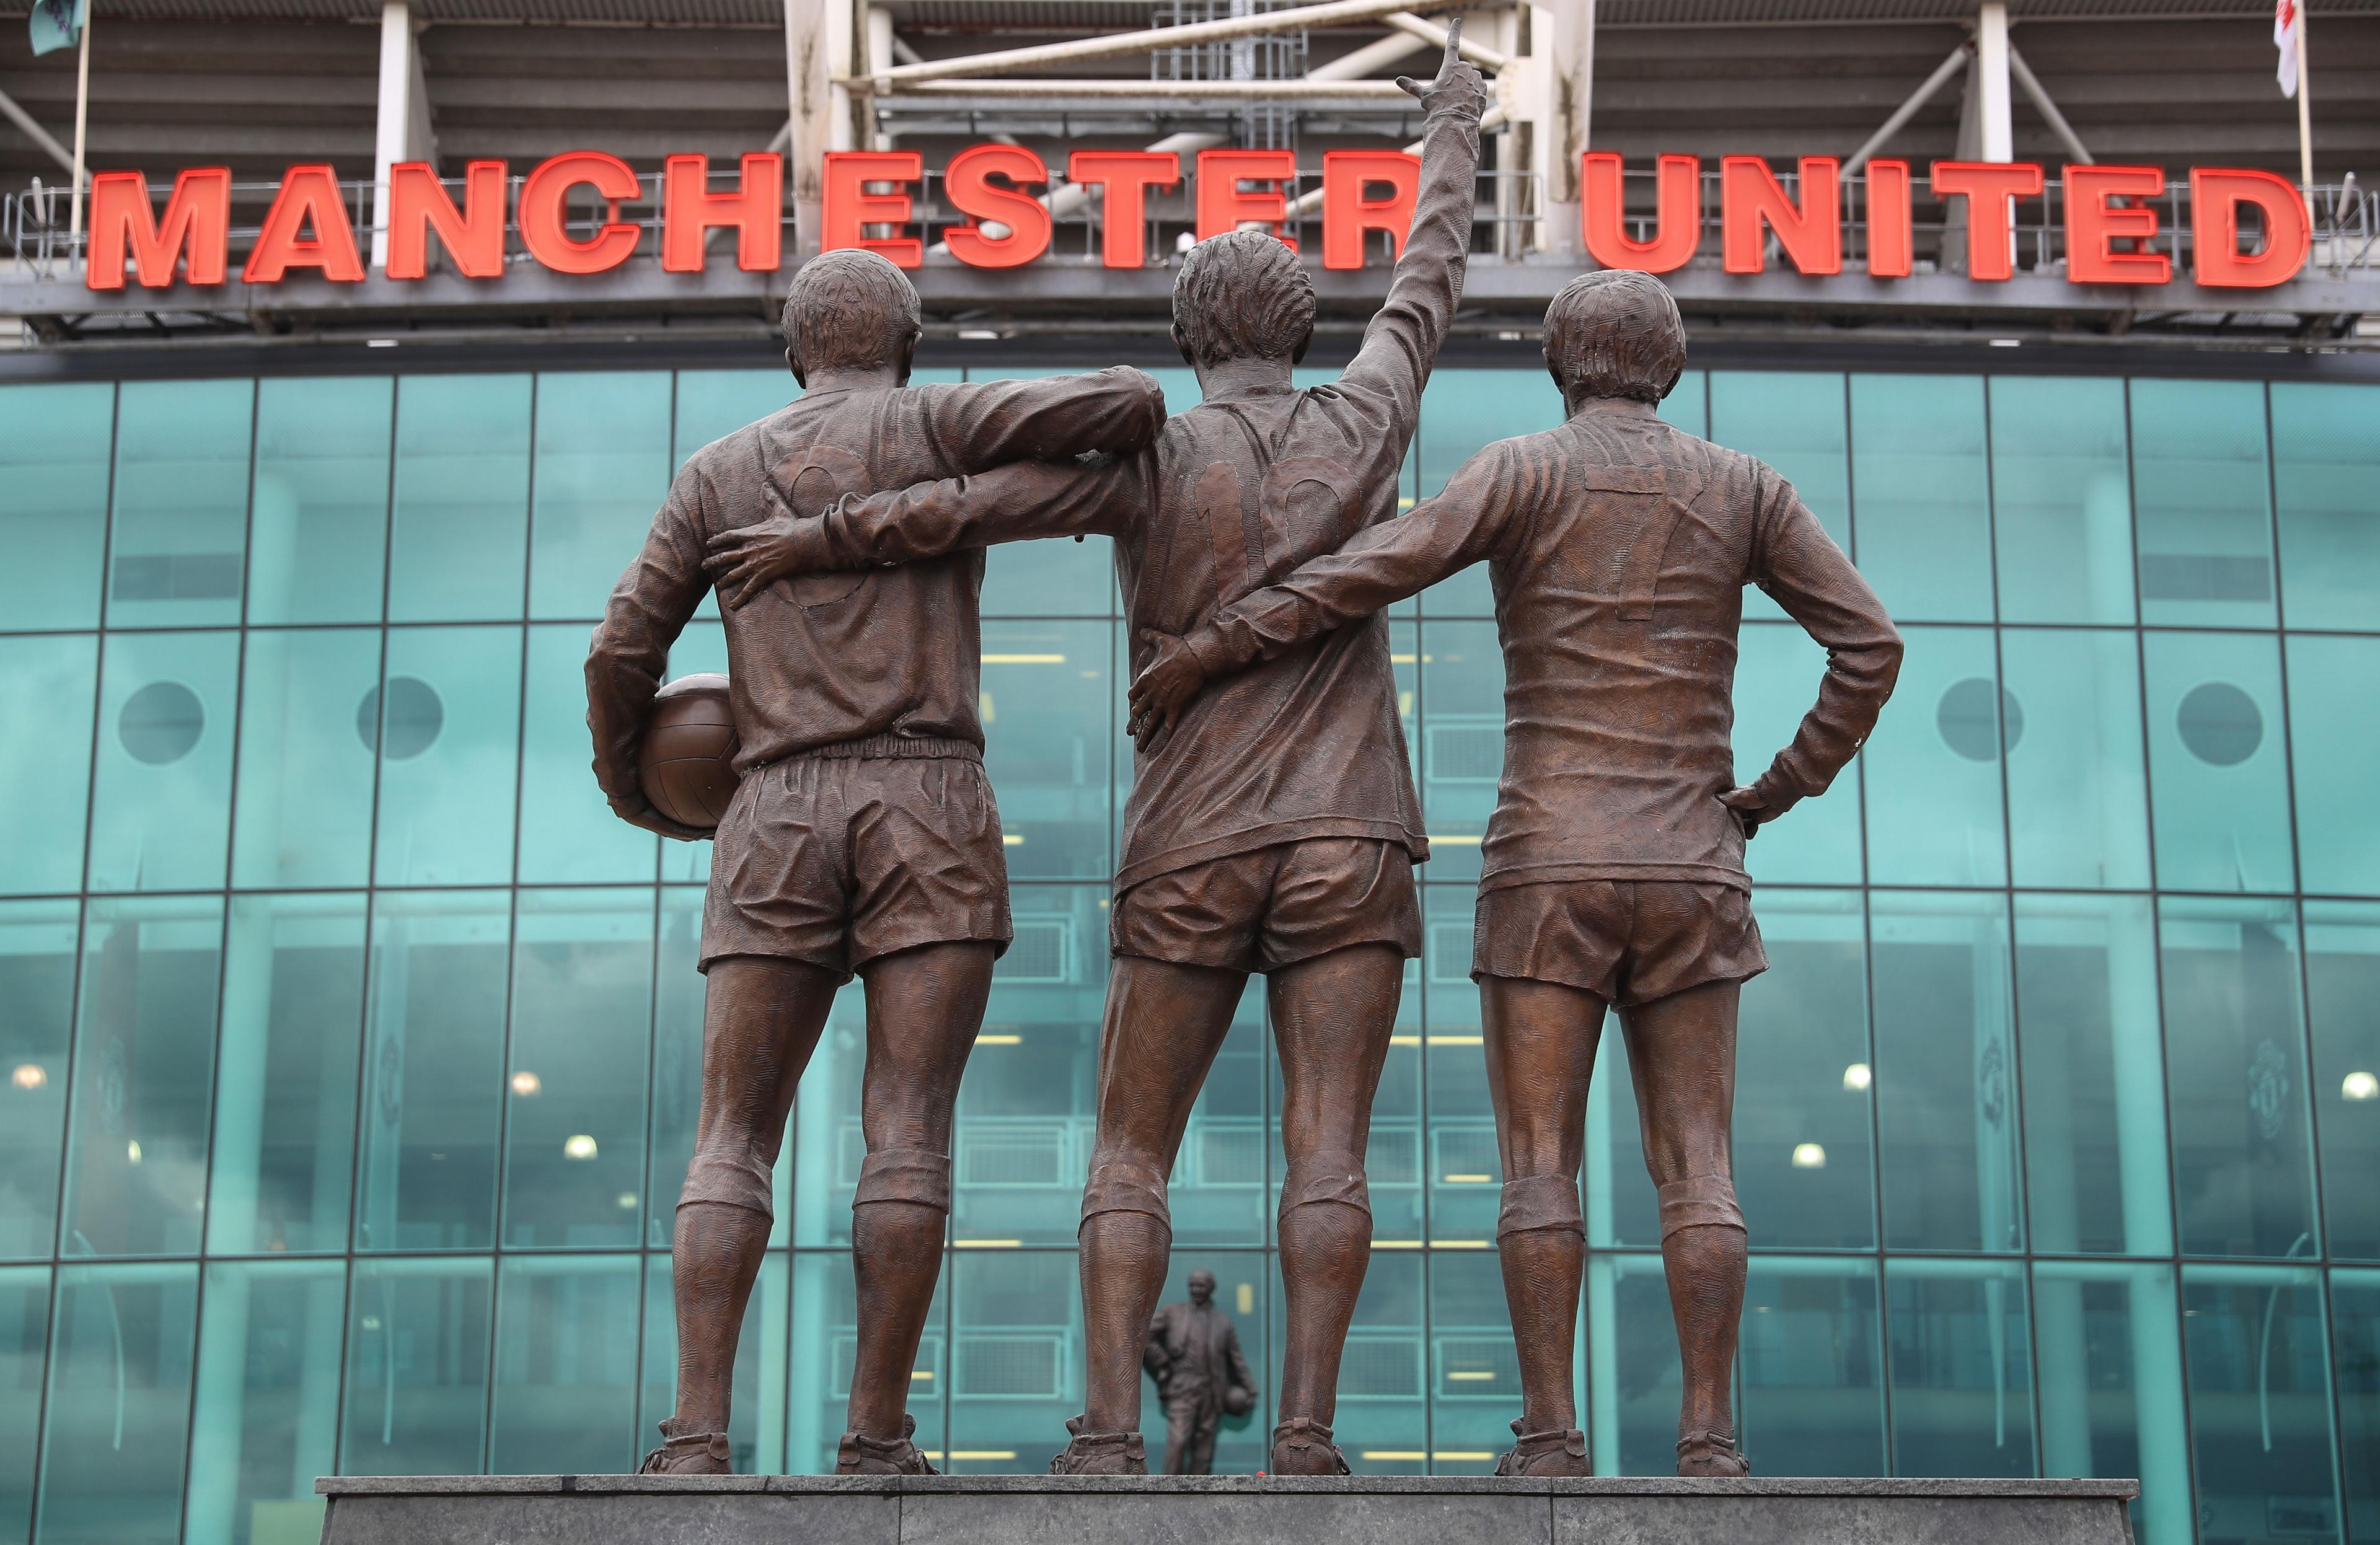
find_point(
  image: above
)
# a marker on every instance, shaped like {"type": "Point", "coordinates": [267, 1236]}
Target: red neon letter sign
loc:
{"type": "Point", "coordinates": [473, 237]}
{"type": "Point", "coordinates": [1889, 241]}
{"type": "Point", "coordinates": [846, 209]}
{"type": "Point", "coordinates": [1991, 190]}
{"type": "Point", "coordinates": [1677, 219]}
{"type": "Point", "coordinates": [757, 210]}
{"type": "Point", "coordinates": [309, 196]}
{"type": "Point", "coordinates": [2216, 195]}
{"type": "Point", "coordinates": [1348, 217]}
{"type": "Point", "coordinates": [2094, 226]}
{"type": "Point", "coordinates": [1126, 176]}
{"type": "Point", "coordinates": [197, 222]}
{"type": "Point", "coordinates": [544, 201]}
{"type": "Point", "coordinates": [1810, 236]}
{"type": "Point", "coordinates": [1222, 207]}
{"type": "Point", "coordinates": [966, 181]}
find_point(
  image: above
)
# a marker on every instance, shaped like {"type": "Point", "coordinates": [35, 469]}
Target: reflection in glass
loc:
{"type": "Point", "coordinates": [1931, 771]}
{"type": "Point", "coordinates": [1045, 694]}
{"type": "Point", "coordinates": [2342, 968]}
{"type": "Point", "coordinates": [2204, 503]}
{"type": "Point", "coordinates": [602, 468]}
{"type": "Point", "coordinates": [266, 1420]}
{"type": "Point", "coordinates": [1014, 1314]}
{"type": "Point", "coordinates": [2061, 499]}
{"type": "Point", "coordinates": [756, 1426]}
{"type": "Point", "coordinates": [1813, 1397]}
{"type": "Point", "coordinates": [433, 1062]}
{"type": "Point", "coordinates": [1804, 1022]}
{"type": "Point", "coordinates": [24, 1337]}
{"type": "Point", "coordinates": [1474, 1372]}
{"type": "Point", "coordinates": [1383, 1380]}
{"type": "Point", "coordinates": [2355, 1352]}
{"type": "Point", "coordinates": [2094, 1123]}
{"type": "Point", "coordinates": [119, 1405]}
{"type": "Point", "coordinates": [565, 1394]}
{"type": "Point", "coordinates": [54, 507]}
{"type": "Point", "coordinates": [145, 1054]}
{"type": "Point", "coordinates": [2325, 454]}
{"type": "Point", "coordinates": [37, 971]}
{"type": "Point", "coordinates": [1460, 746]}
{"type": "Point", "coordinates": [285, 1090]}
{"type": "Point", "coordinates": [319, 525]}
{"type": "Point", "coordinates": [304, 814]}
{"type": "Point", "coordinates": [1777, 678]}
{"type": "Point", "coordinates": [712, 405]}
{"type": "Point", "coordinates": [1464, 411]}
{"type": "Point", "coordinates": [417, 1381]}
{"type": "Point", "coordinates": [2333, 745]}
{"type": "Point", "coordinates": [675, 1089]}
{"type": "Point", "coordinates": [2078, 801]}
{"type": "Point", "coordinates": [459, 527]}
{"type": "Point", "coordinates": [1688, 407]}
{"type": "Point", "coordinates": [1945, 1074]}
{"type": "Point", "coordinates": [1793, 421]}
{"type": "Point", "coordinates": [1633, 1378]}
{"type": "Point", "coordinates": [162, 792]}
{"type": "Point", "coordinates": [1962, 1368]}
{"type": "Point", "coordinates": [174, 554]}
{"type": "Point", "coordinates": [568, 832]}
{"type": "Point", "coordinates": [446, 799]}
{"type": "Point", "coordinates": [2108, 1341]}
{"type": "Point", "coordinates": [2235, 1066]}
{"type": "Point", "coordinates": [46, 709]}
{"type": "Point", "coordinates": [825, 1342]}
{"type": "Point", "coordinates": [2218, 766]}
{"type": "Point", "coordinates": [2260, 1402]}
{"type": "Point", "coordinates": [1924, 496]}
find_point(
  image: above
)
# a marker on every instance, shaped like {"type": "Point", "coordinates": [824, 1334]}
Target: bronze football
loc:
{"type": "Point", "coordinates": [688, 764]}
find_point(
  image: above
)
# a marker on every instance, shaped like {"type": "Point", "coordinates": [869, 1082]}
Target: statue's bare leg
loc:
{"type": "Point", "coordinates": [924, 1008]}
{"type": "Point", "coordinates": [1681, 1049]}
{"type": "Point", "coordinates": [1333, 1018]}
{"type": "Point", "coordinates": [1164, 1024]}
{"type": "Point", "coordinates": [761, 1022]}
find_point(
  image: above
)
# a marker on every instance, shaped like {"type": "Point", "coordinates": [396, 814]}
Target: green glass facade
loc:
{"type": "Point", "coordinates": [351, 1046]}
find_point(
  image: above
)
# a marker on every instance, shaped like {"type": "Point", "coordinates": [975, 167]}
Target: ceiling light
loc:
{"type": "Point", "coordinates": [578, 1145]}
{"type": "Point", "coordinates": [1809, 1156]}
{"type": "Point", "coordinates": [32, 1076]}
{"type": "Point", "coordinates": [526, 1083]}
{"type": "Point", "coordinates": [2358, 1085]}
{"type": "Point", "coordinates": [1858, 1077]}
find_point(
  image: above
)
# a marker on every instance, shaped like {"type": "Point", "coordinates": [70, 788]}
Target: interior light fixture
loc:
{"type": "Point", "coordinates": [578, 1145]}
{"type": "Point", "coordinates": [32, 1076]}
{"type": "Point", "coordinates": [2360, 1085]}
{"type": "Point", "coordinates": [1858, 1077]}
{"type": "Point", "coordinates": [132, 1151]}
{"type": "Point", "coordinates": [526, 1083]}
{"type": "Point", "coordinates": [1809, 1156]}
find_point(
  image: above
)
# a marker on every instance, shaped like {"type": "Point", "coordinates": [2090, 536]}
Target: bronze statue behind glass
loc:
{"type": "Point", "coordinates": [1194, 1354]}
{"type": "Point", "coordinates": [1276, 832]}
{"type": "Point", "coordinates": [1612, 871]}
{"type": "Point", "coordinates": [862, 836]}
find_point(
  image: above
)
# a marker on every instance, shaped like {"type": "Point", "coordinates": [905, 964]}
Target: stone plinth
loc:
{"type": "Point", "coordinates": [1215, 1510]}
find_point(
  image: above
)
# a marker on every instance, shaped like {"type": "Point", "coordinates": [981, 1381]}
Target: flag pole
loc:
{"type": "Point", "coordinates": [2305, 114]}
{"type": "Point", "coordinates": [82, 122]}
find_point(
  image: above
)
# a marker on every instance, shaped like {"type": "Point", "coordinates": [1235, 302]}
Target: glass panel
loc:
{"type": "Point", "coordinates": [1016, 1340]}
{"type": "Point", "coordinates": [1944, 1076]}
{"type": "Point", "coordinates": [2204, 503]}
{"type": "Point", "coordinates": [459, 528]}
{"type": "Point", "coordinates": [144, 1054]}
{"type": "Point", "coordinates": [2078, 802]}
{"type": "Point", "coordinates": [602, 468]}
{"type": "Point", "coordinates": [286, 1094]}
{"type": "Point", "coordinates": [1045, 691]}
{"type": "Point", "coordinates": [54, 505]}
{"type": "Point", "coordinates": [45, 708]}
{"type": "Point", "coordinates": [317, 534]}
{"type": "Point", "coordinates": [1632, 1363]}
{"type": "Point", "coordinates": [24, 1337]}
{"type": "Point", "coordinates": [825, 1341]}
{"type": "Point", "coordinates": [2334, 744]}
{"type": "Point", "coordinates": [2221, 790]}
{"type": "Point", "coordinates": [175, 556]}
{"type": "Point", "coordinates": [567, 831]}
{"type": "Point", "coordinates": [1462, 412]}
{"type": "Point", "coordinates": [1925, 495]}
{"type": "Point", "coordinates": [119, 1407]}
{"type": "Point", "coordinates": [1804, 1159]}
{"type": "Point", "coordinates": [756, 1422]}
{"type": "Point", "coordinates": [2234, 1064]}
{"type": "Point", "coordinates": [1383, 1420]}
{"type": "Point", "coordinates": [2107, 1341]}
{"type": "Point", "coordinates": [37, 966]}
{"type": "Point", "coordinates": [2095, 1126]}
{"type": "Point", "coordinates": [565, 1399]}
{"type": "Point", "coordinates": [1620, 1202]}
{"type": "Point", "coordinates": [1813, 1380]}
{"type": "Point", "coordinates": [1023, 1139]}
{"type": "Point", "coordinates": [1794, 422]}
{"type": "Point", "coordinates": [416, 1382]}
{"type": "Point", "coordinates": [676, 1083]}
{"type": "Point", "coordinates": [581, 1050]}
{"type": "Point", "coordinates": [1460, 748]}
{"type": "Point", "coordinates": [1457, 1152]}
{"type": "Point", "coordinates": [712, 405]}
{"type": "Point", "coordinates": [2259, 1403]}
{"type": "Point", "coordinates": [1931, 768]}
{"type": "Point", "coordinates": [307, 719]}
{"type": "Point", "coordinates": [2355, 1351]}
{"type": "Point", "coordinates": [2061, 498]}
{"type": "Point", "coordinates": [433, 1067]}
{"type": "Point", "coordinates": [1474, 1374]}
{"type": "Point", "coordinates": [161, 795]}
{"type": "Point", "coordinates": [448, 724]}
{"type": "Point", "coordinates": [1688, 407]}
{"type": "Point", "coordinates": [2325, 455]}
{"type": "Point", "coordinates": [824, 1140]}
{"type": "Point", "coordinates": [2342, 943]}
{"type": "Point", "coordinates": [267, 1420]}
{"type": "Point", "coordinates": [1777, 678]}
{"type": "Point", "coordinates": [1962, 1368]}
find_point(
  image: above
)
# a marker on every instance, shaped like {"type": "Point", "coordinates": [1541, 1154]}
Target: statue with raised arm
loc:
{"type": "Point", "coordinates": [862, 837]}
{"type": "Point", "coordinates": [1618, 547]}
{"type": "Point", "coordinates": [1276, 831]}
{"type": "Point", "coordinates": [1193, 1353]}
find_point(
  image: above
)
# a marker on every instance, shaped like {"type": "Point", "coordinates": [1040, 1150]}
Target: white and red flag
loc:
{"type": "Point", "coordinates": [2287, 26]}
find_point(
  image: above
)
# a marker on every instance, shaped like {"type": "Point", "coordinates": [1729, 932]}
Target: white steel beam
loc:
{"type": "Point", "coordinates": [35, 132]}
{"type": "Point", "coordinates": [2047, 109]}
{"type": "Point", "coordinates": [818, 50]}
{"type": "Point", "coordinates": [1174, 93]}
{"type": "Point", "coordinates": [1909, 109]}
{"type": "Point", "coordinates": [401, 129]}
{"type": "Point", "coordinates": [1995, 126]}
{"type": "Point", "coordinates": [1487, 58]}
{"type": "Point", "coordinates": [1563, 32]}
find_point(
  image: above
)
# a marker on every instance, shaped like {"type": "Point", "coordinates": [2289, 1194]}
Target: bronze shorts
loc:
{"type": "Point", "coordinates": [835, 860]}
{"type": "Point", "coordinates": [1628, 942]}
{"type": "Point", "coordinates": [1273, 906]}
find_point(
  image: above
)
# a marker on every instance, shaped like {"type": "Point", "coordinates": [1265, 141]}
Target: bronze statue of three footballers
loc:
{"type": "Point", "coordinates": [1272, 825]}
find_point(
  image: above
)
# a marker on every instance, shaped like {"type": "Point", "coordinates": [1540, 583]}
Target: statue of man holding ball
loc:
{"type": "Point", "coordinates": [861, 836]}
